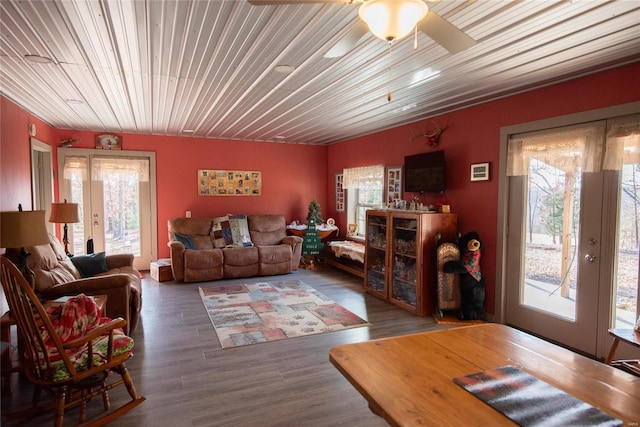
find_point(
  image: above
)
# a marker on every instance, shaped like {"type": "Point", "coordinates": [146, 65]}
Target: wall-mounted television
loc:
{"type": "Point", "coordinates": [424, 173]}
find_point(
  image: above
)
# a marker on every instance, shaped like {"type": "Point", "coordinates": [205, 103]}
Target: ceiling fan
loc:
{"type": "Point", "coordinates": [391, 20]}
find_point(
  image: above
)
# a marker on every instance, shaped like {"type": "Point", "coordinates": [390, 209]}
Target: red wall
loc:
{"type": "Point", "coordinates": [292, 175]}
{"type": "Point", "coordinates": [472, 135]}
{"type": "Point", "coordinates": [295, 174]}
{"type": "Point", "coordinates": [15, 155]}
{"type": "Point", "coordinates": [15, 161]}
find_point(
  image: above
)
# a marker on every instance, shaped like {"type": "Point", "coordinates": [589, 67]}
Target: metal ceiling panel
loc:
{"type": "Point", "coordinates": [206, 68]}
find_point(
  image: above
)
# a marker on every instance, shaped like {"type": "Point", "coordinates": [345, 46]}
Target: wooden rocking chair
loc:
{"type": "Point", "coordinates": [73, 371]}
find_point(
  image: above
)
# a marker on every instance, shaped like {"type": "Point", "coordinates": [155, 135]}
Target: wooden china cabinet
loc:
{"type": "Point", "coordinates": [400, 257]}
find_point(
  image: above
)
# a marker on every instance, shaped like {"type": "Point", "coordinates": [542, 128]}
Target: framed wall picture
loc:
{"type": "Point", "coordinates": [393, 184]}
{"type": "Point", "coordinates": [108, 141]}
{"type": "Point", "coordinates": [480, 172]}
{"type": "Point", "coordinates": [215, 182]}
{"type": "Point", "coordinates": [339, 192]}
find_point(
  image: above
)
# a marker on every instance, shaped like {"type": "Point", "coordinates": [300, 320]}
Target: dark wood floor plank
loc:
{"type": "Point", "coordinates": [189, 380]}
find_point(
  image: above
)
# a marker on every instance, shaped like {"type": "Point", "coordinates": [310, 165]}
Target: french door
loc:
{"type": "Point", "coordinates": [115, 194]}
{"type": "Point", "coordinates": [572, 244]}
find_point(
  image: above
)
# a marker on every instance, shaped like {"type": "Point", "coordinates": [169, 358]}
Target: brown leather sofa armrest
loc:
{"type": "Point", "coordinates": [296, 249]}
{"type": "Point", "coordinates": [177, 260]}
{"type": "Point", "coordinates": [88, 286]}
{"type": "Point", "coordinates": [175, 245]}
{"type": "Point", "coordinates": [115, 286]}
{"type": "Point", "coordinates": [292, 240]}
{"type": "Point", "coordinates": [119, 260]}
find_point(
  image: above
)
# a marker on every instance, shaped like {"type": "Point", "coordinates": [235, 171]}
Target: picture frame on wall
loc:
{"type": "Point", "coordinates": [108, 141]}
{"type": "Point", "coordinates": [340, 196]}
{"type": "Point", "coordinates": [480, 172]}
{"type": "Point", "coordinates": [393, 184]}
{"type": "Point", "coordinates": [224, 182]}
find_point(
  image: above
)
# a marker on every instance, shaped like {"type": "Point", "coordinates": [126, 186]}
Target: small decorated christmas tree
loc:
{"type": "Point", "coordinates": [314, 213]}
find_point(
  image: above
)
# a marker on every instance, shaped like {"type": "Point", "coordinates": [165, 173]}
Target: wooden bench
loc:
{"type": "Point", "coordinates": [347, 255]}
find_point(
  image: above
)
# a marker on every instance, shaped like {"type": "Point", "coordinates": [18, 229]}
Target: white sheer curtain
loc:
{"type": "Point", "coordinates": [568, 148]}
{"type": "Point", "coordinates": [74, 164]}
{"type": "Point", "coordinates": [363, 176]}
{"type": "Point", "coordinates": [623, 143]}
{"type": "Point", "coordinates": [102, 165]}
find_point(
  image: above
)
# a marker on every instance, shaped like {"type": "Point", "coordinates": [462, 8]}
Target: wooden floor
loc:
{"type": "Point", "coordinates": [189, 380]}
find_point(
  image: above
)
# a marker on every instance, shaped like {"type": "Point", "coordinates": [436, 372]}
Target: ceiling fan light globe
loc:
{"type": "Point", "coordinates": [392, 19]}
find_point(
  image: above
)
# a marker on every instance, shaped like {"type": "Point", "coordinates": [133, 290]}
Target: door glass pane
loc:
{"type": "Point", "coordinates": [76, 232]}
{"type": "Point", "coordinates": [551, 237]}
{"type": "Point", "coordinates": [121, 201]}
{"type": "Point", "coordinates": [627, 258]}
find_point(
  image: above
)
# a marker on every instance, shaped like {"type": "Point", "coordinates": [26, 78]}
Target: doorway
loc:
{"type": "Point", "coordinates": [42, 178]}
{"type": "Point", "coordinates": [570, 257]}
{"type": "Point", "coordinates": [115, 192]}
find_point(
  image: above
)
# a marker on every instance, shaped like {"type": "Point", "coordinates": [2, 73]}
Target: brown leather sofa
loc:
{"type": "Point", "coordinates": [271, 252]}
{"type": "Point", "coordinates": [56, 276]}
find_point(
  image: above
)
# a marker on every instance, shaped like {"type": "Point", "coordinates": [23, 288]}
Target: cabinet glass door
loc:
{"type": "Point", "coordinates": [376, 254]}
{"type": "Point", "coordinates": [404, 261]}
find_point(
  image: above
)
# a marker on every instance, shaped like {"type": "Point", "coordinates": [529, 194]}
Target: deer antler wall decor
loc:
{"type": "Point", "coordinates": [432, 139]}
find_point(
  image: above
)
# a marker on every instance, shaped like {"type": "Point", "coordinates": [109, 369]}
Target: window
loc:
{"type": "Point", "coordinates": [365, 186]}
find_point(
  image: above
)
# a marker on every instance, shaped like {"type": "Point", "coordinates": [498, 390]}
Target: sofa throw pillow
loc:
{"type": "Point", "coordinates": [90, 265]}
{"type": "Point", "coordinates": [187, 241]}
{"type": "Point", "coordinates": [240, 230]}
{"type": "Point", "coordinates": [221, 232]}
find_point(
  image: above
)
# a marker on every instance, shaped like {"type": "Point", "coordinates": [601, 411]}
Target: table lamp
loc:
{"type": "Point", "coordinates": [64, 213]}
{"type": "Point", "coordinates": [19, 229]}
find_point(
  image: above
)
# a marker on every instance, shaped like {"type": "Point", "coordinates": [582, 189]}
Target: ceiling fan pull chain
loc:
{"type": "Point", "coordinates": [390, 63]}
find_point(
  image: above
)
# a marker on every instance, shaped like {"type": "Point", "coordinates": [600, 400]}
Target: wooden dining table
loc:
{"type": "Point", "coordinates": [408, 380]}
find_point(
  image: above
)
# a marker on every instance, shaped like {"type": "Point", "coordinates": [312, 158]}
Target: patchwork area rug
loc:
{"type": "Point", "coordinates": [270, 311]}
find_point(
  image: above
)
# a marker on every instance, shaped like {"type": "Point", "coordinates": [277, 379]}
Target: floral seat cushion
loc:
{"type": "Point", "coordinates": [73, 319]}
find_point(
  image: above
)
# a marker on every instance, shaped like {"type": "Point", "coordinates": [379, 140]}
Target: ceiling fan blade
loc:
{"type": "Point", "coordinates": [275, 2]}
{"type": "Point", "coordinates": [445, 33]}
{"type": "Point", "coordinates": [348, 42]}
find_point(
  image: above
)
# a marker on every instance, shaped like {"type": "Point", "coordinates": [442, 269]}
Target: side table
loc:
{"type": "Point", "coordinates": [10, 360]}
{"type": "Point", "coordinates": [630, 336]}
{"type": "Point", "coordinates": [161, 270]}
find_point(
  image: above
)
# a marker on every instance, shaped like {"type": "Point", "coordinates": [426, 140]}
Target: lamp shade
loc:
{"type": "Point", "coordinates": [392, 19]}
{"type": "Point", "coordinates": [23, 228]}
{"type": "Point", "coordinates": [64, 213]}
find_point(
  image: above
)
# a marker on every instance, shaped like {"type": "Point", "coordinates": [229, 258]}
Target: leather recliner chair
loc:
{"type": "Point", "coordinates": [55, 275]}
